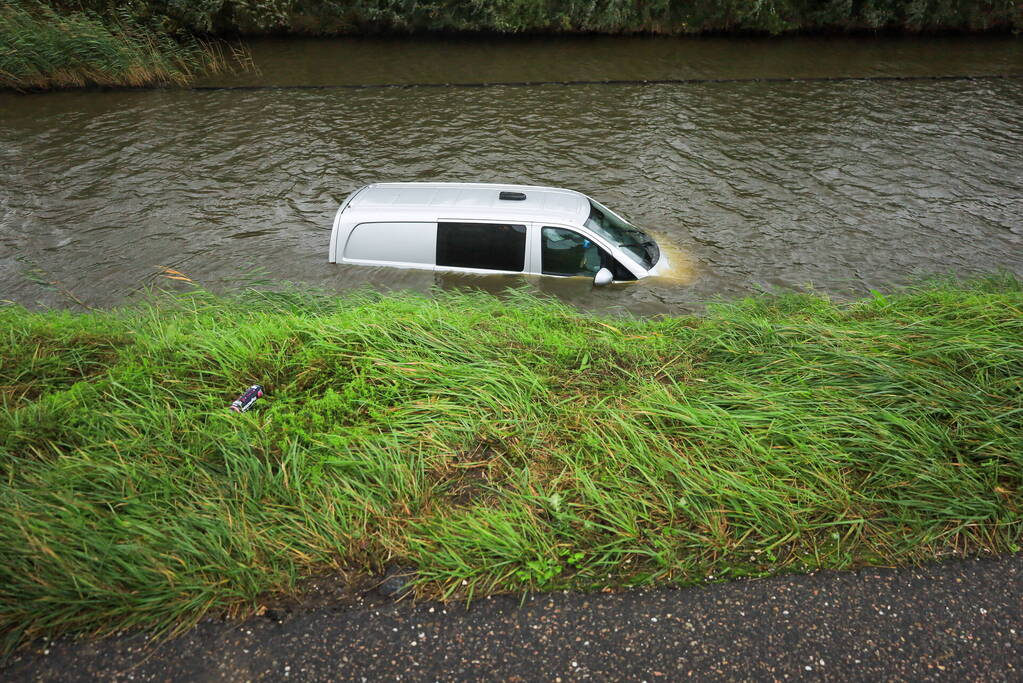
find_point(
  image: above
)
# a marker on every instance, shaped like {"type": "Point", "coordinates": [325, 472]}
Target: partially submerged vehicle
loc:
{"type": "Point", "coordinates": [484, 228]}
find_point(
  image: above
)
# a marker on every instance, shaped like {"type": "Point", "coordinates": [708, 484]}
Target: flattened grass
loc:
{"type": "Point", "coordinates": [494, 445]}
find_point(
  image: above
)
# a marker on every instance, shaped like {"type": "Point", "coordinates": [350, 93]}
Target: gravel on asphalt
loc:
{"type": "Point", "coordinates": [960, 620]}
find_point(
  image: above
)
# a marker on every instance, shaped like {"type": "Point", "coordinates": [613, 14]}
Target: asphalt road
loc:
{"type": "Point", "coordinates": [957, 621]}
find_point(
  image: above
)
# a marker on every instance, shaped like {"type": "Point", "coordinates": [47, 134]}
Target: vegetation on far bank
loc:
{"type": "Point", "coordinates": [493, 445]}
{"type": "Point", "coordinates": [557, 16]}
{"type": "Point", "coordinates": [65, 43]}
{"type": "Point", "coordinates": [42, 48]}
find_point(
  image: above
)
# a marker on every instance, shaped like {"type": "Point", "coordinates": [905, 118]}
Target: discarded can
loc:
{"type": "Point", "coordinates": [245, 401]}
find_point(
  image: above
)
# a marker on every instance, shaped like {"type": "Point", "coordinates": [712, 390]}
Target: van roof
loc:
{"type": "Point", "coordinates": [437, 201]}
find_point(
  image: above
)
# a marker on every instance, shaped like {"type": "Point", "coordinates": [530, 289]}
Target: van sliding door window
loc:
{"type": "Point", "coordinates": [491, 246]}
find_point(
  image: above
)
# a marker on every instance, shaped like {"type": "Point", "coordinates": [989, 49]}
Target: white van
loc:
{"type": "Point", "coordinates": [481, 228]}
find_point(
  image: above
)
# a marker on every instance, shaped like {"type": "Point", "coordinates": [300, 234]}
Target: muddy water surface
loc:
{"type": "Point", "coordinates": [844, 185]}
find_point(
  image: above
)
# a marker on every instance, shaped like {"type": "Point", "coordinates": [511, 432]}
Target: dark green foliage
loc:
{"type": "Point", "coordinates": [62, 43]}
{"type": "Point", "coordinates": [493, 445]}
{"type": "Point", "coordinates": [603, 16]}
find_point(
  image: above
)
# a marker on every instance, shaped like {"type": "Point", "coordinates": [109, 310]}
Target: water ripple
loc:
{"type": "Point", "coordinates": [844, 186]}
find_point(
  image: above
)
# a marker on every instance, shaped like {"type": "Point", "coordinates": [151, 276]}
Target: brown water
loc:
{"type": "Point", "coordinates": [845, 185]}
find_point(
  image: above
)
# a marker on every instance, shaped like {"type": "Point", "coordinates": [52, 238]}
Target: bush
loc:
{"type": "Point", "coordinates": [609, 16]}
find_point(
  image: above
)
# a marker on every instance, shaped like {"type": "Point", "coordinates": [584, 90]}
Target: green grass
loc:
{"type": "Point", "coordinates": [41, 48]}
{"type": "Point", "coordinates": [493, 444]}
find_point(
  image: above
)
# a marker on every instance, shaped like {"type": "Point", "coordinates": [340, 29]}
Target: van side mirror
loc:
{"type": "Point", "coordinates": [603, 277]}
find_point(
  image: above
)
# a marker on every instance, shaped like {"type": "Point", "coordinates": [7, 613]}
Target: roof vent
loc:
{"type": "Point", "coordinates": [513, 196]}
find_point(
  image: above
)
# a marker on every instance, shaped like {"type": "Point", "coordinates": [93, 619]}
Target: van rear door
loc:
{"type": "Point", "coordinates": [403, 244]}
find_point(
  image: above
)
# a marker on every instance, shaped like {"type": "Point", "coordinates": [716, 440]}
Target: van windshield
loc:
{"type": "Point", "coordinates": [632, 240]}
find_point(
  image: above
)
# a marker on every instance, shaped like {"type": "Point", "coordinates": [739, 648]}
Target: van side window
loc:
{"type": "Point", "coordinates": [481, 245]}
{"type": "Point", "coordinates": [566, 252]}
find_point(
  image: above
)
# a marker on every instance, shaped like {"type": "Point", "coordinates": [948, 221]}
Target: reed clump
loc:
{"type": "Point", "coordinates": [493, 445]}
{"type": "Point", "coordinates": [42, 48]}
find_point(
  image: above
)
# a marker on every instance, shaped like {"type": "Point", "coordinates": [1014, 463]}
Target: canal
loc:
{"type": "Point", "coordinates": [875, 166]}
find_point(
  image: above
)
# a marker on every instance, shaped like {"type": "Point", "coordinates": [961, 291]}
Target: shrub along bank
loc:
{"type": "Point", "coordinates": [608, 16]}
{"type": "Point", "coordinates": [66, 43]}
{"type": "Point", "coordinates": [493, 445]}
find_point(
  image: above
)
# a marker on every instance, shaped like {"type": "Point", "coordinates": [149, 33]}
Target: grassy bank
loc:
{"type": "Point", "coordinates": [493, 445]}
{"type": "Point", "coordinates": [42, 48]}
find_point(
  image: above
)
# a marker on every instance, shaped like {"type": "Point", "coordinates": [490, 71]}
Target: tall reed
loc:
{"type": "Point", "coordinates": [41, 48]}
